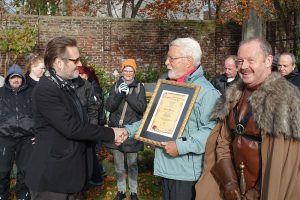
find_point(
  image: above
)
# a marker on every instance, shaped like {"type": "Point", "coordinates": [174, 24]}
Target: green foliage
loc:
{"type": "Point", "coordinates": [37, 7]}
{"type": "Point", "coordinates": [146, 158]}
{"type": "Point", "coordinates": [150, 75]}
{"type": "Point", "coordinates": [105, 80]}
{"type": "Point", "coordinates": [17, 40]}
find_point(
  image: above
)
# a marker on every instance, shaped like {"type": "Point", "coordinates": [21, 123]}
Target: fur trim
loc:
{"type": "Point", "coordinates": [275, 106]}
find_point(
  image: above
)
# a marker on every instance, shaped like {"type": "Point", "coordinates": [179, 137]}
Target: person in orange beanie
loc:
{"type": "Point", "coordinates": [129, 62]}
{"type": "Point", "coordinates": [126, 104]}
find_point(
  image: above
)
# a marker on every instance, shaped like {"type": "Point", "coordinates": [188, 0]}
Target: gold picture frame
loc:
{"type": "Point", "coordinates": [168, 112]}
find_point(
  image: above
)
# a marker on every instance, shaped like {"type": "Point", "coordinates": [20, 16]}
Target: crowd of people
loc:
{"type": "Point", "coordinates": [241, 141]}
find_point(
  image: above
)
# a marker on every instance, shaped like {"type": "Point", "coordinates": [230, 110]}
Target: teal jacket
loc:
{"type": "Point", "coordinates": [187, 166]}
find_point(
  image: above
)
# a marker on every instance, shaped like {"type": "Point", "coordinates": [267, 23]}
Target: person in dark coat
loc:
{"type": "Point", "coordinates": [287, 68]}
{"type": "Point", "coordinates": [86, 95]}
{"type": "Point", "coordinates": [126, 104]}
{"type": "Point", "coordinates": [16, 131]}
{"type": "Point", "coordinates": [230, 76]}
{"type": "Point", "coordinates": [61, 161]}
{"type": "Point", "coordinates": [93, 104]}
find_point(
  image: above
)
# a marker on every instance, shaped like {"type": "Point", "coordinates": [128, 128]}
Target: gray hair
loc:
{"type": "Point", "coordinates": [234, 58]}
{"type": "Point", "coordinates": [189, 47]}
{"type": "Point", "coordinates": [264, 44]}
{"type": "Point", "coordinates": [289, 54]}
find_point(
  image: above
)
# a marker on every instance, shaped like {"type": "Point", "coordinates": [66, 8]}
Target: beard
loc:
{"type": "Point", "coordinates": [76, 74]}
{"type": "Point", "coordinates": [172, 74]}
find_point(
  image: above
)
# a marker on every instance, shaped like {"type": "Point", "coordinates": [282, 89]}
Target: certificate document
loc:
{"type": "Point", "coordinates": [167, 113]}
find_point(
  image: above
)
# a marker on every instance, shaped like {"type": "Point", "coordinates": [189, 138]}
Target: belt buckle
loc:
{"type": "Point", "coordinates": [240, 129]}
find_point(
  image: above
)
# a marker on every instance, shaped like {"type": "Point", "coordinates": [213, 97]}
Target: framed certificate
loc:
{"type": "Point", "coordinates": [168, 112]}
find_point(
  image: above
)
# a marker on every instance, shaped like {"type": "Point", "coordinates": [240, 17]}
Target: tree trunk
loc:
{"type": "Point", "coordinates": [108, 3]}
{"type": "Point", "coordinates": [7, 54]}
{"type": "Point", "coordinates": [209, 10]}
{"type": "Point", "coordinates": [218, 9]}
{"type": "Point", "coordinates": [135, 8]}
{"type": "Point", "coordinates": [124, 8]}
{"type": "Point", "coordinates": [254, 26]}
{"type": "Point", "coordinates": [285, 19]}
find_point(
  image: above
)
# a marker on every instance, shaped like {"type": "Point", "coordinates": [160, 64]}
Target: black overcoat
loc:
{"type": "Point", "coordinates": [61, 158]}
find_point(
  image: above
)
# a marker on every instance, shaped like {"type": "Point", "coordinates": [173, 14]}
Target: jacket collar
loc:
{"type": "Point", "coordinates": [275, 106]}
{"type": "Point", "coordinates": [195, 75]}
{"type": "Point", "coordinates": [59, 81]}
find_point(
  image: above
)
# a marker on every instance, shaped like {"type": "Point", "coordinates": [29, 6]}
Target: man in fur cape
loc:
{"type": "Point", "coordinates": [253, 152]}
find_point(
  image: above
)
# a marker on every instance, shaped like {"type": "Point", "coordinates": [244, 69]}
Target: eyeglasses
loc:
{"type": "Point", "coordinates": [172, 59]}
{"type": "Point", "coordinates": [75, 61]}
{"type": "Point", "coordinates": [129, 72]}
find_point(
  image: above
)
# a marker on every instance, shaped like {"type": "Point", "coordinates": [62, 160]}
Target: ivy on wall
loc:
{"type": "Point", "coordinates": [17, 40]}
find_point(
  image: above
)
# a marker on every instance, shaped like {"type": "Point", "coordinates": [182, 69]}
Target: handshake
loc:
{"type": "Point", "coordinates": [120, 135]}
{"type": "Point", "coordinates": [123, 88]}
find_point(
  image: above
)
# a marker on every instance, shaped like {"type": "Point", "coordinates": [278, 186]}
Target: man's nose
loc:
{"type": "Point", "coordinates": [244, 65]}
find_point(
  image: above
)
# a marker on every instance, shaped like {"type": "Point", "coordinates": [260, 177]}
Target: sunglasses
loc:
{"type": "Point", "coordinates": [75, 61]}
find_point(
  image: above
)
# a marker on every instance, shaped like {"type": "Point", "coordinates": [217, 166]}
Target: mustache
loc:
{"type": "Point", "coordinates": [245, 71]}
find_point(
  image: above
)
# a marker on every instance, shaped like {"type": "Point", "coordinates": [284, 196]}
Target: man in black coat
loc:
{"type": "Point", "coordinates": [16, 131]}
{"type": "Point", "coordinates": [61, 160]}
{"type": "Point", "coordinates": [230, 75]}
{"type": "Point", "coordinates": [287, 68]}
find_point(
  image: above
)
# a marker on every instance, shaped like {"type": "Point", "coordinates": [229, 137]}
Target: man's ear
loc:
{"type": "Point", "coordinates": [191, 61]}
{"type": "Point", "coordinates": [58, 64]}
{"type": "Point", "coordinates": [269, 61]}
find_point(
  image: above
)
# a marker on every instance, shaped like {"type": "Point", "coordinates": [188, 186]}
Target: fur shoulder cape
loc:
{"type": "Point", "coordinates": [275, 106]}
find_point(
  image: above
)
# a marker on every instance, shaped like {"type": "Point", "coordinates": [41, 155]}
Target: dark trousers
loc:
{"type": "Point", "coordinates": [18, 150]}
{"type": "Point", "coordinates": [97, 176]}
{"type": "Point", "coordinates": [54, 196]}
{"type": "Point", "coordinates": [178, 190]}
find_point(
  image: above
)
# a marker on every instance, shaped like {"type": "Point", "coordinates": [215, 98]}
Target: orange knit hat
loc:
{"type": "Point", "coordinates": [129, 62]}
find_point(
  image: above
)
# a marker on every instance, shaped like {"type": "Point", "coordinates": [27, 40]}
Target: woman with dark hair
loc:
{"type": "Point", "coordinates": [91, 79]}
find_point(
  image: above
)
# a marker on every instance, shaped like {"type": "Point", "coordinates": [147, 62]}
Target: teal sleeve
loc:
{"type": "Point", "coordinates": [132, 128]}
{"type": "Point", "coordinates": [199, 125]}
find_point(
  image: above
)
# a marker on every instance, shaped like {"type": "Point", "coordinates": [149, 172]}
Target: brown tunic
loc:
{"type": "Point", "coordinates": [246, 145]}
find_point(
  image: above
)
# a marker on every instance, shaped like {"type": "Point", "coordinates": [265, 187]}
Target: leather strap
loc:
{"type": "Point", "coordinates": [124, 110]}
{"type": "Point", "coordinates": [241, 125]}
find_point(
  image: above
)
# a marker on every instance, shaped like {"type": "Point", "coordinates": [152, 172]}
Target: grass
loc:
{"type": "Point", "coordinates": [148, 189]}
{"type": "Point", "coordinates": [148, 185]}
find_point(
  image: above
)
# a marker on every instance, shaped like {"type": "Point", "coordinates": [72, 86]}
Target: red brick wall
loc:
{"type": "Point", "coordinates": [106, 41]}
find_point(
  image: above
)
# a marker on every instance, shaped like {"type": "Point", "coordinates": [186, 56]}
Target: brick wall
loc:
{"type": "Point", "coordinates": [107, 41]}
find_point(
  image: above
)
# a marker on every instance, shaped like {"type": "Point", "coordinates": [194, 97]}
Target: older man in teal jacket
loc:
{"type": "Point", "coordinates": [179, 162]}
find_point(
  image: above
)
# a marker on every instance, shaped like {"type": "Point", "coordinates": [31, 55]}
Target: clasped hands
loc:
{"type": "Point", "coordinates": [120, 135]}
{"type": "Point", "coordinates": [123, 88]}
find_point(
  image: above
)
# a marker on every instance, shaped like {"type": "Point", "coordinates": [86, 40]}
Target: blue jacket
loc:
{"type": "Point", "coordinates": [187, 166]}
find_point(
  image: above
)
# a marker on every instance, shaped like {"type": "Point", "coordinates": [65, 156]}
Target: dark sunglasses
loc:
{"type": "Point", "coordinates": [75, 61]}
